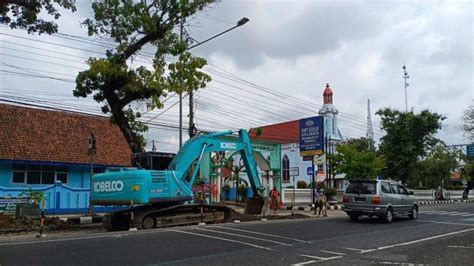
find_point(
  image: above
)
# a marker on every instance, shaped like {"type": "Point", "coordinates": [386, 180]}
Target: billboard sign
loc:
{"type": "Point", "coordinates": [470, 150]}
{"type": "Point", "coordinates": [311, 136]}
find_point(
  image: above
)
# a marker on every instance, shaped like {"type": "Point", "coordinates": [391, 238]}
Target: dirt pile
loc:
{"type": "Point", "coordinates": [10, 224]}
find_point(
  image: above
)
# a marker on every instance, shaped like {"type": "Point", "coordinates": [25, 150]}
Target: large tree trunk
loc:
{"type": "Point", "coordinates": [119, 118]}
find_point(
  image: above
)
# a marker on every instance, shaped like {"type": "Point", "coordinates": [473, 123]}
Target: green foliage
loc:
{"type": "Point", "coordinates": [36, 196]}
{"type": "Point", "coordinates": [435, 168]}
{"type": "Point", "coordinates": [242, 190]}
{"type": "Point", "coordinates": [117, 83]}
{"type": "Point", "coordinates": [258, 131]}
{"type": "Point", "coordinates": [468, 119]}
{"type": "Point", "coordinates": [320, 185]}
{"type": "Point", "coordinates": [301, 184]}
{"type": "Point", "coordinates": [467, 169]}
{"type": "Point", "coordinates": [24, 14]}
{"type": "Point", "coordinates": [330, 192]}
{"type": "Point", "coordinates": [408, 137]}
{"type": "Point", "coordinates": [356, 159]}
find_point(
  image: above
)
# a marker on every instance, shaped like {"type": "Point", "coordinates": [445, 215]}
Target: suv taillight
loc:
{"type": "Point", "coordinates": [345, 199]}
{"type": "Point", "coordinates": [376, 200]}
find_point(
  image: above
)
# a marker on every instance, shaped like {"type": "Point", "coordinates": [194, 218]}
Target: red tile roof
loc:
{"type": "Point", "coordinates": [29, 134]}
{"type": "Point", "coordinates": [287, 132]}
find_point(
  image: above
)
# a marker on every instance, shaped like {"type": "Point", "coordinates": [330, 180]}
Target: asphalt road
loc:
{"type": "Point", "coordinates": [442, 235]}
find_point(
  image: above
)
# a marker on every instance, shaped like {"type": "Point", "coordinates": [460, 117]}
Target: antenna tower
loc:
{"type": "Point", "coordinates": [370, 131]}
{"type": "Point", "coordinates": [405, 77]}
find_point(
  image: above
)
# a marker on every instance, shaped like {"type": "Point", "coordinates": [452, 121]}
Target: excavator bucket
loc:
{"type": "Point", "coordinates": [254, 205]}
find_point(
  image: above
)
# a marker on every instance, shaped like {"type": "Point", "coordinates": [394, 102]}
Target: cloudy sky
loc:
{"type": "Point", "coordinates": [275, 67]}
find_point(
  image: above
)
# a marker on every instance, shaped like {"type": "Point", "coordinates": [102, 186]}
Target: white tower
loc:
{"type": "Point", "coordinates": [370, 131]}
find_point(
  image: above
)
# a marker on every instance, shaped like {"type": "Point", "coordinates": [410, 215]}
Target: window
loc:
{"type": "Point", "coordinates": [320, 169]}
{"type": "Point", "coordinates": [402, 189]}
{"type": "Point", "coordinates": [394, 188]}
{"type": "Point", "coordinates": [362, 187]}
{"type": "Point", "coordinates": [33, 177]}
{"type": "Point", "coordinates": [285, 169]}
{"type": "Point", "coordinates": [38, 174]}
{"type": "Point", "coordinates": [61, 177]}
{"type": "Point", "coordinates": [19, 177]}
{"type": "Point", "coordinates": [385, 187]}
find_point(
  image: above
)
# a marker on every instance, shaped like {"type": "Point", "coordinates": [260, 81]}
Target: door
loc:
{"type": "Point", "coordinates": [404, 198]}
{"type": "Point", "coordinates": [396, 198]}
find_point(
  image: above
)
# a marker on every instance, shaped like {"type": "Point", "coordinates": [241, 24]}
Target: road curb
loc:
{"type": "Point", "coordinates": [310, 208]}
{"type": "Point", "coordinates": [433, 202]}
{"type": "Point", "coordinates": [83, 220]}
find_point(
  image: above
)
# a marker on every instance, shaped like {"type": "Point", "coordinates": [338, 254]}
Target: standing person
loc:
{"type": "Point", "coordinates": [325, 204]}
{"type": "Point", "coordinates": [319, 201]}
{"type": "Point", "coordinates": [274, 199]}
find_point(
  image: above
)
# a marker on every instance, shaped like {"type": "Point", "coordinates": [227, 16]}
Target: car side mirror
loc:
{"type": "Point", "coordinates": [410, 193]}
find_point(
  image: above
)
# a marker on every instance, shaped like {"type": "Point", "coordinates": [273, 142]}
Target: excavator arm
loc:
{"type": "Point", "coordinates": [194, 149]}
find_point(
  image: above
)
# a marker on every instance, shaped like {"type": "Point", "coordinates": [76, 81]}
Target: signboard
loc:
{"type": "Point", "coordinates": [470, 150]}
{"type": "Point", "coordinates": [294, 171]}
{"type": "Point", "coordinates": [320, 159]}
{"type": "Point", "coordinates": [308, 158]}
{"type": "Point", "coordinates": [311, 136]}
{"type": "Point", "coordinates": [310, 170]}
{"type": "Point", "coordinates": [8, 206]}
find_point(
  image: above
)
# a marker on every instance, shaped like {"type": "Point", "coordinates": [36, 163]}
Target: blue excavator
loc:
{"type": "Point", "coordinates": [165, 198]}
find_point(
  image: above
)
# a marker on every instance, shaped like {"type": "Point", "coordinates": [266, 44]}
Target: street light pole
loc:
{"type": "Point", "coordinates": [192, 130]}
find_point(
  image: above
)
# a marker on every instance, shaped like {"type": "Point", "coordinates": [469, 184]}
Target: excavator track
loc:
{"type": "Point", "coordinates": [147, 217]}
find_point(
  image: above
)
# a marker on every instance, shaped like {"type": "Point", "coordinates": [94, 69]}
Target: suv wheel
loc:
{"type": "Point", "coordinates": [353, 217]}
{"type": "Point", "coordinates": [414, 213]}
{"type": "Point", "coordinates": [388, 216]}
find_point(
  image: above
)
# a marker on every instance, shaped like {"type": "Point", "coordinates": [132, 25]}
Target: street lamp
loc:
{"type": "Point", "coordinates": [241, 22]}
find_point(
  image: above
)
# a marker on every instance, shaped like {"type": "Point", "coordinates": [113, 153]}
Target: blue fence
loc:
{"type": "Point", "coordinates": [59, 198]}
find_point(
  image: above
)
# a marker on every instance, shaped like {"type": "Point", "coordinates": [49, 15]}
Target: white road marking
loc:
{"type": "Point", "coordinates": [354, 249]}
{"type": "Point", "coordinates": [461, 213]}
{"type": "Point", "coordinates": [258, 233]}
{"type": "Point", "coordinates": [459, 247]}
{"type": "Point", "coordinates": [249, 237]}
{"type": "Point", "coordinates": [437, 222]}
{"type": "Point", "coordinates": [471, 214]}
{"type": "Point", "coordinates": [398, 263]}
{"type": "Point", "coordinates": [220, 238]}
{"type": "Point", "coordinates": [304, 263]}
{"type": "Point", "coordinates": [321, 258]}
{"type": "Point", "coordinates": [332, 252]}
{"type": "Point", "coordinates": [417, 241]}
{"type": "Point", "coordinates": [54, 240]}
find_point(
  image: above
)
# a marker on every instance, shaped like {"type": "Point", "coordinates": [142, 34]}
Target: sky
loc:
{"type": "Point", "coordinates": [274, 68]}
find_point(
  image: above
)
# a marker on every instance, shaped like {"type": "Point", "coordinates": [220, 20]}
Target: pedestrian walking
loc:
{"type": "Point", "coordinates": [274, 199]}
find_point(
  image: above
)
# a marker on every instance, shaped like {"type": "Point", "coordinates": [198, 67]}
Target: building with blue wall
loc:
{"type": "Point", "coordinates": [47, 151]}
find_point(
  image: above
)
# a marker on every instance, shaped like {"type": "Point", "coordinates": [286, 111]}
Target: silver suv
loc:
{"type": "Point", "coordinates": [381, 198]}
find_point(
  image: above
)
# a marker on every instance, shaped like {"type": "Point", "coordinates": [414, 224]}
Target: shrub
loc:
{"type": "Point", "coordinates": [242, 190]}
{"type": "Point", "coordinates": [301, 184]}
{"type": "Point", "coordinates": [320, 185]}
{"type": "Point", "coordinates": [330, 192]}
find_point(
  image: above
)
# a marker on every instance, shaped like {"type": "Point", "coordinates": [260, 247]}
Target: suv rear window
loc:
{"type": "Point", "coordinates": [362, 188]}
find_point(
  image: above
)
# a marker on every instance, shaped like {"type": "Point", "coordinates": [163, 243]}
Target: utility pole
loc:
{"type": "Point", "coordinates": [91, 148]}
{"type": "Point", "coordinates": [181, 95]}
{"type": "Point", "coordinates": [405, 77]}
{"type": "Point", "coordinates": [192, 127]}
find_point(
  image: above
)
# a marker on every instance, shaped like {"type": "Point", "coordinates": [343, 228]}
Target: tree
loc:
{"type": "Point", "coordinates": [468, 119]}
{"type": "Point", "coordinates": [408, 137]}
{"type": "Point", "coordinates": [357, 160]}
{"type": "Point", "coordinates": [114, 81]}
{"type": "Point", "coordinates": [24, 14]}
{"type": "Point", "coordinates": [436, 168]}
